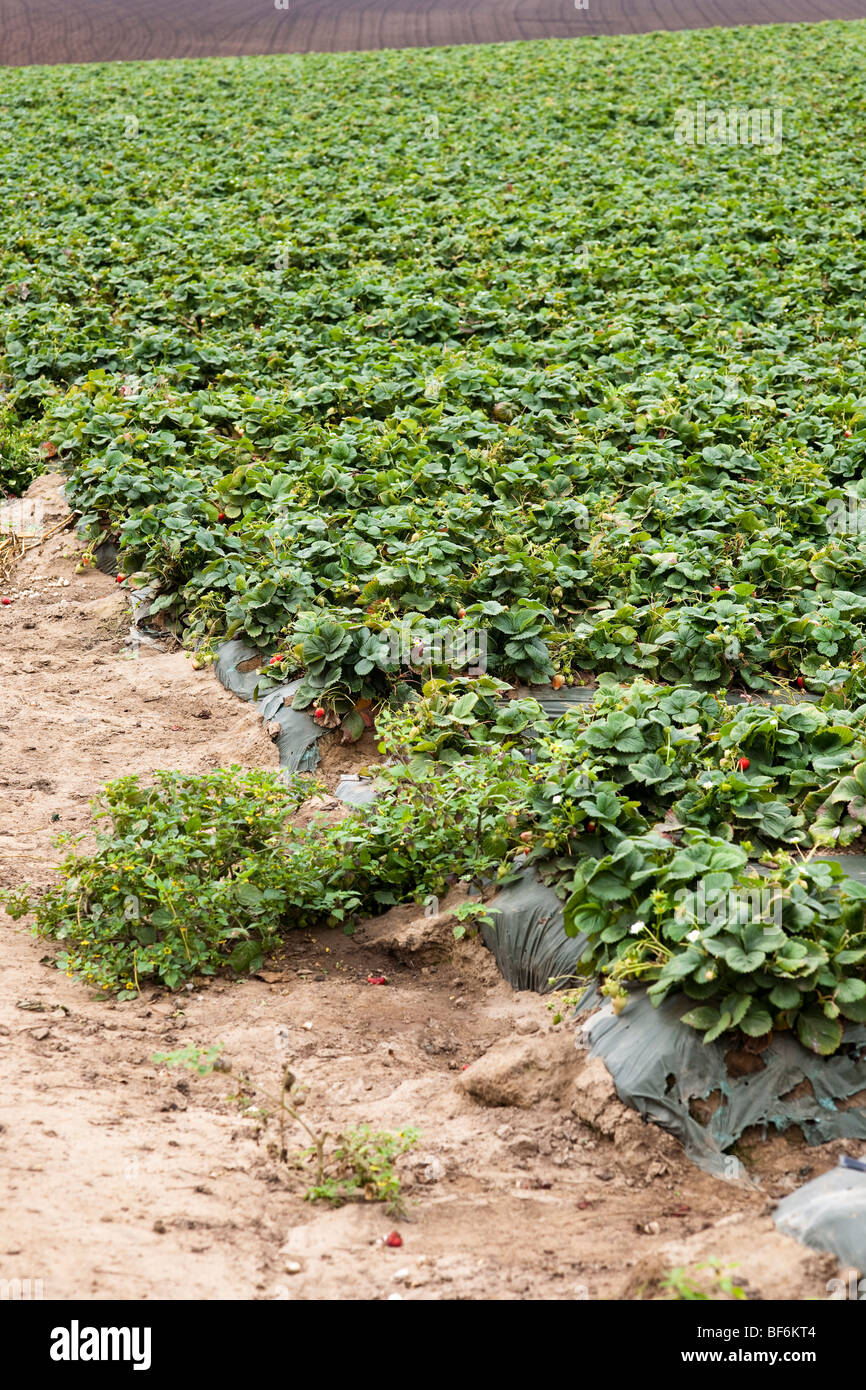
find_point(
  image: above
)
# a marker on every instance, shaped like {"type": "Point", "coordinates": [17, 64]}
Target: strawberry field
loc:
{"type": "Point", "coordinates": [357, 355]}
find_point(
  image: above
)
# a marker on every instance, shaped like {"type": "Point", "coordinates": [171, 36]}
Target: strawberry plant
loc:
{"type": "Point", "coordinates": [776, 946]}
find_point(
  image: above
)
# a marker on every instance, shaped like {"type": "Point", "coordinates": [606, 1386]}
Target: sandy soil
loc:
{"type": "Point", "coordinates": [127, 1180]}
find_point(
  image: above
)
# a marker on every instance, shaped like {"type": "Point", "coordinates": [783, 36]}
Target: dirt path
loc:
{"type": "Point", "coordinates": [41, 31]}
{"type": "Point", "coordinates": [125, 1180]}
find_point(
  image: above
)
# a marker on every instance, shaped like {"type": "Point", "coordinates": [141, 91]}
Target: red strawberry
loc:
{"type": "Point", "coordinates": [5, 602]}
{"type": "Point", "coordinates": [717, 588]}
{"type": "Point", "coordinates": [800, 682]}
{"type": "Point", "coordinates": [318, 713]}
{"type": "Point", "coordinates": [120, 579]}
{"type": "Point", "coordinates": [847, 434]}
{"type": "Point", "coordinates": [376, 980]}
{"type": "Point", "coordinates": [221, 517]}
{"type": "Point", "coordinates": [395, 1240]}
{"type": "Point", "coordinates": [742, 764]}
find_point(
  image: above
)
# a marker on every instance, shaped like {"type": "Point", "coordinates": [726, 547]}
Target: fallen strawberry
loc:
{"type": "Point", "coordinates": [5, 602]}
{"type": "Point", "coordinates": [376, 980]}
{"type": "Point", "coordinates": [395, 1240]}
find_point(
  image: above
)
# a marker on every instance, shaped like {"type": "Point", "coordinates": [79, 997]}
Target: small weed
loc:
{"type": "Point", "coordinates": [476, 915]}
{"type": "Point", "coordinates": [719, 1287]}
{"type": "Point", "coordinates": [357, 1166]}
{"type": "Point", "coordinates": [202, 1060]}
{"type": "Point", "coordinates": [360, 1167]}
{"type": "Point", "coordinates": [564, 1001]}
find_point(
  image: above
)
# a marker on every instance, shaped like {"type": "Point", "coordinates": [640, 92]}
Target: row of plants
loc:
{"type": "Point", "coordinates": [331, 374]}
{"type": "Point", "coordinates": [196, 873]}
{"type": "Point", "coordinates": [328, 542]}
{"type": "Point", "coordinates": [791, 774]}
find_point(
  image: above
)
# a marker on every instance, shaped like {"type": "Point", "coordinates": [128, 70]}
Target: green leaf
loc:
{"type": "Point", "coordinates": [756, 1022]}
{"type": "Point", "coordinates": [785, 996]}
{"type": "Point", "coordinates": [850, 990]}
{"type": "Point", "coordinates": [817, 1032]}
{"type": "Point", "coordinates": [681, 965]}
{"type": "Point", "coordinates": [249, 896]}
{"type": "Point", "coordinates": [462, 708]}
{"type": "Point", "coordinates": [579, 918]}
{"type": "Point", "coordinates": [723, 1023]}
{"type": "Point", "coordinates": [703, 1017]}
{"type": "Point", "coordinates": [744, 962]}
{"type": "Point", "coordinates": [246, 957]}
{"type": "Point", "coordinates": [352, 727]}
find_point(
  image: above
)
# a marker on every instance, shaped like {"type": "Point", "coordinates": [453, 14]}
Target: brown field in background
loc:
{"type": "Point", "coordinates": [81, 31]}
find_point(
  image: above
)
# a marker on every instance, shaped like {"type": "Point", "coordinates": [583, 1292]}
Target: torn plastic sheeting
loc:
{"type": "Point", "coordinates": [230, 656]}
{"type": "Point", "coordinates": [106, 557]}
{"type": "Point", "coordinates": [555, 703]}
{"type": "Point", "coordinates": [853, 864]}
{"type": "Point", "coordinates": [140, 601]}
{"type": "Point", "coordinates": [558, 702]}
{"type": "Point", "coordinates": [829, 1213]}
{"type": "Point", "coordinates": [356, 791]}
{"type": "Point", "coordinates": [296, 743]}
{"type": "Point", "coordinates": [661, 1067]}
{"type": "Point", "coordinates": [528, 938]}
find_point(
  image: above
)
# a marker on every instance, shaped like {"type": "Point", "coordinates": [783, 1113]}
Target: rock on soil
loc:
{"type": "Point", "coordinates": [523, 1071]}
